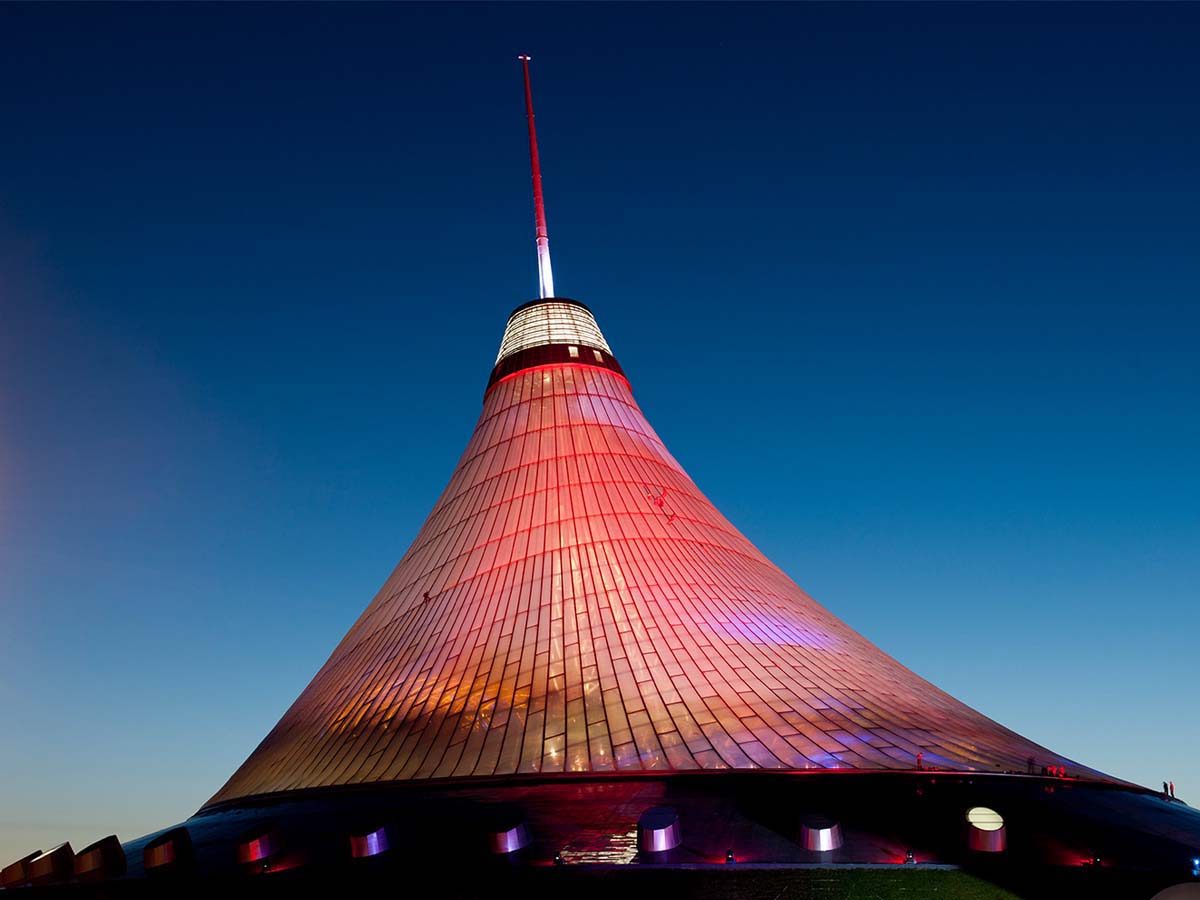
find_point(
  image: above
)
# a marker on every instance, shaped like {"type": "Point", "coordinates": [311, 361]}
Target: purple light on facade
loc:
{"type": "Point", "coordinates": [259, 847]}
{"type": "Point", "coordinates": [371, 844]}
{"type": "Point", "coordinates": [753, 625]}
{"type": "Point", "coordinates": [255, 850]}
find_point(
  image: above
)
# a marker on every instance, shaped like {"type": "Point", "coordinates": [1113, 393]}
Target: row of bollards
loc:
{"type": "Point", "coordinates": [101, 860]}
{"type": "Point", "coordinates": [658, 831]}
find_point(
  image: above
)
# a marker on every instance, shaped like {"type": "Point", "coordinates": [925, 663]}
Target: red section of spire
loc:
{"type": "Point", "coordinates": [545, 274]}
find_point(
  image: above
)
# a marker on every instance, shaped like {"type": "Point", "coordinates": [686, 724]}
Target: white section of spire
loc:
{"type": "Point", "coordinates": [545, 273]}
{"type": "Point", "coordinates": [552, 322]}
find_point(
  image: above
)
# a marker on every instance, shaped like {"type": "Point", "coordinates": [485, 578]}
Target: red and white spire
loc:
{"type": "Point", "coordinates": [545, 273]}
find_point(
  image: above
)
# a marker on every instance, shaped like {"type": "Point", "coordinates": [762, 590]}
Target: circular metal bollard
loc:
{"type": "Point", "coordinates": [258, 846]}
{"type": "Point", "coordinates": [507, 829]}
{"type": "Point", "coordinates": [103, 859]}
{"type": "Point", "coordinates": [369, 842]}
{"type": "Point", "coordinates": [509, 840]}
{"type": "Point", "coordinates": [169, 853]}
{"type": "Point", "coordinates": [658, 830]}
{"type": "Point", "coordinates": [985, 830]}
{"type": "Point", "coordinates": [820, 833]}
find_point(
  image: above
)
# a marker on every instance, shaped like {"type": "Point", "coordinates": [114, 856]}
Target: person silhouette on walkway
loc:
{"type": "Point", "coordinates": [1166, 792]}
{"type": "Point", "coordinates": [1172, 790]}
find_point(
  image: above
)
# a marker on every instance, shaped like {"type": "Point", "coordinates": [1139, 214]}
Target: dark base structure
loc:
{"type": "Point", "coordinates": [708, 834]}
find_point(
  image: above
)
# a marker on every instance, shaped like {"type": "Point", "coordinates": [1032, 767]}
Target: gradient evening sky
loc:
{"type": "Point", "coordinates": [911, 293]}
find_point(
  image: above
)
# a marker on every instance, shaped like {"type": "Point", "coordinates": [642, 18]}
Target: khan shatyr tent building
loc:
{"type": "Point", "coordinates": [580, 661]}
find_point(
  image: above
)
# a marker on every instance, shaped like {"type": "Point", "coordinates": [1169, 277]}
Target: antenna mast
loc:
{"type": "Point", "coordinates": [545, 273]}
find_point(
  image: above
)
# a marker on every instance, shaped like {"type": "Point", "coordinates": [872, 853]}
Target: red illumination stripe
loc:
{"type": "Point", "coordinates": [556, 365]}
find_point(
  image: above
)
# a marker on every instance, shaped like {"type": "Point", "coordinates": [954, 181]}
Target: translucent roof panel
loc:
{"type": "Point", "coordinates": [551, 322]}
{"type": "Point", "coordinates": [575, 603]}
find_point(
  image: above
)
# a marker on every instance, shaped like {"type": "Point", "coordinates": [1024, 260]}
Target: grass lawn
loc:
{"type": "Point", "coordinates": [732, 883]}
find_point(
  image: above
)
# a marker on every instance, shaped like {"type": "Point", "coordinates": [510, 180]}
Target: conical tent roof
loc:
{"type": "Point", "coordinates": [574, 603]}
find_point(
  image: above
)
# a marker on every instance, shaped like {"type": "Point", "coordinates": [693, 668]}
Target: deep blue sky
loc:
{"type": "Point", "coordinates": [911, 292]}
